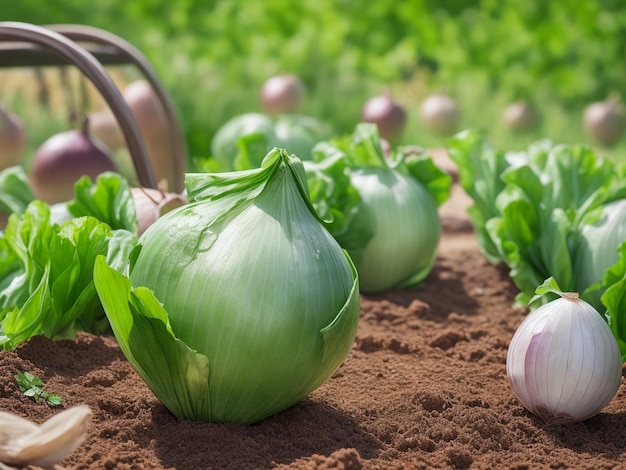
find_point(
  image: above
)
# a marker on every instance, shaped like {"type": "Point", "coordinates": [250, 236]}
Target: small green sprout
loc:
{"type": "Point", "coordinates": [32, 386]}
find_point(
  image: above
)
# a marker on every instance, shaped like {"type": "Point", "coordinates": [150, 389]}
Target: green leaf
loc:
{"type": "Point", "coordinates": [50, 287]}
{"type": "Point", "coordinates": [15, 192]}
{"type": "Point", "coordinates": [32, 386]}
{"type": "Point", "coordinates": [142, 329]}
{"type": "Point", "coordinates": [614, 298]}
{"type": "Point", "coordinates": [109, 200]}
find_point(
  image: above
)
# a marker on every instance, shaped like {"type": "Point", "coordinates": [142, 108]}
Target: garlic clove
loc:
{"type": "Point", "coordinates": [23, 442]}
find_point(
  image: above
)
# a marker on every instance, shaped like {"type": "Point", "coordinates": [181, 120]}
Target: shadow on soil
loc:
{"type": "Point", "coordinates": [307, 428]}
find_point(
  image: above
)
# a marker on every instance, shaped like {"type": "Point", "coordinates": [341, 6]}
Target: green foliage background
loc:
{"type": "Point", "coordinates": [213, 55]}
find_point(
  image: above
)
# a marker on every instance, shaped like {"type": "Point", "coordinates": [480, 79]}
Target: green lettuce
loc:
{"type": "Point", "coordinates": [47, 274]}
{"type": "Point", "coordinates": [543, 212]}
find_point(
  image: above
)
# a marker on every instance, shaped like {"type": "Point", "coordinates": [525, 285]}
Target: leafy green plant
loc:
{"type": "Point", "coordinates": [32, 386]}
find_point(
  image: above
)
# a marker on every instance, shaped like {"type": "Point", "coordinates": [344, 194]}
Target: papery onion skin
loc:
{"type": "Point", "coordinates": [253, 290]}
{"type": "Point", "coordinates": [405, 225]}
{"type": "Point", "coordinates": [563, 362]}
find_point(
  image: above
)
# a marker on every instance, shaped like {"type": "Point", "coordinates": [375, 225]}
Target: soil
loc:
{"type": "Point", "coordinates": [424, 386]}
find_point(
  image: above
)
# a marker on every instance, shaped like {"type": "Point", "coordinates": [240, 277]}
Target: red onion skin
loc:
{"type": "Point", "coordinates": [605, 122]}
{"type": "Point", "coordinates": [389, 116]}
{"type": "Point", "coordinates": [283, 93]}
{"type": "Point", "coordinates": [62, 159]}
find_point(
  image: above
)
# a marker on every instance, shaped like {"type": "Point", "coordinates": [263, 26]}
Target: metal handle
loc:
{"type": "Point", "coordinates": [63, 46]}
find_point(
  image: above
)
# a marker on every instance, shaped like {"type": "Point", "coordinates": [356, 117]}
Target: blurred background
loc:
{"type": "Point", "coordinates": [213, 57]}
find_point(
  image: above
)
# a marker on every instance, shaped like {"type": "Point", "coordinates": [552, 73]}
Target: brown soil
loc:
{"type": "Point", "coordinates": [424, 387]}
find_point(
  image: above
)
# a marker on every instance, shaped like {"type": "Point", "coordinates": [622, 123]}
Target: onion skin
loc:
{"type": "Point", "coordinates": [284, 93]}
{"type": "Point", "coordinates": [389, 116]}
{"type": "Point", "coordinates": [563, 363]}
{"type": "Point", "coordinates": [151, 120]}
{"type": "Point", "coordinates": [151, 204]}
{"type": "Point", "coordinates": [520, 116]}
{"type": "Point", "coordinates": [440, 114]}
{"type": "Point", "coordinates": [605, 121]}
{"type": "Point", "coordinates": [62, 159]}
{"type": "Point", "coordinates": [12, 139]}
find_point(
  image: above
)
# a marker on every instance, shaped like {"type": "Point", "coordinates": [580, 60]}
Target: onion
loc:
{"type": "Point", "coordinates": [62, 159]}
{"type": "Point", "coordinates": [283, 93]}
{"type": "Point", "coordinates": [151, 204]}
{"type": "Point", "coordinates": [440, 113]}
{"type": "Point", "coordinates": [563, 362]}
{"type": "Point", "coordinates": [241, 302]}
{"type": "Point", "coordinates": [12, 139]}
{"type": "Point", "coordinates": [520, 116]}
{"type": "Point", "coordinates": [151, 120]}
{"type": "Point", "coordinates": [389, 116]}
{"type": "Point", "coordinates": [605, 121]}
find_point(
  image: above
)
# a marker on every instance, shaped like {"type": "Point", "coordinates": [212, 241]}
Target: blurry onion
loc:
{"type": "Point", "coordinates": [605, 121]}
{"type": "Point", "coordinates": [62, 159]}
{"type": "Point", "coordinates": [151, 119]}
{"type": "Point", "coordinates": [284, 93]}
{"type": "Point", "coordinates": [520, 116]}
{"type": "Point", "coordinates": [388, 115]}
{"type": "Point", "coordinates": [12, 139]}
{"type": "Point", "coordinates": [440, 113]}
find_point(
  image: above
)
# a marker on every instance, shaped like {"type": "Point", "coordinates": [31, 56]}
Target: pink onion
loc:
{"type": "Point", "coordinates": [62, 159]}
{"type": "Point", "coordinates": [605, 121]}
{"type": "Point", "coordinates": [520, 116]}
{"type": "Point", "coordinates": [389, 116]}
{"type": "Point", "coordinates": [148, 112]}
{"type": "Point", "coordinates": [284, 93]}
{"type": "Point", "coordinates": [440, 114]}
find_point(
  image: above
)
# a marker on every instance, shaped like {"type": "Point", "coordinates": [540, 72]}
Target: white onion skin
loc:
{"type": "Point", "coordinates": [563, 363]}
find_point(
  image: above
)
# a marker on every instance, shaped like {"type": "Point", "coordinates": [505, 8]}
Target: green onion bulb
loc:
{"type": "Point", "coordinates": [252, 281]}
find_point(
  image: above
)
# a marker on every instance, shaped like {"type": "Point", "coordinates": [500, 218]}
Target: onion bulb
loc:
{"type": "Point", "coordinates": [563, 363]}
{"type": "Point", "coordinates": [520, 116]}
{"type": "Point", "coordinates": [12, 139]}
{"type": "Point", "coordinates": [284, 93]}
{"type": "Point", "coordinates": [389, 116]}
{"type": "Point", "coordinates": [605, 121]}
{"type": "Point", "coordinates": [62, 159]}
{"type": "Point", "coordinates": [150, 204]}
{"type": "Point", "coordinates": [440, 114]}
{"type": "Point", "coordinates": [148, 112]}
{"type": "Point", "coordinates": [239, 304]}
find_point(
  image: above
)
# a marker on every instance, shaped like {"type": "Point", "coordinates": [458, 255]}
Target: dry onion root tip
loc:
{"type": "Point", "coordinates": [151, 204]}
{"type": "Point", "coordinates": [23, 442]}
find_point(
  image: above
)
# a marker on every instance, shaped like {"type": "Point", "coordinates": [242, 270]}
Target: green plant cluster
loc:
{"type": "Point", "coordinates": [213, 55]}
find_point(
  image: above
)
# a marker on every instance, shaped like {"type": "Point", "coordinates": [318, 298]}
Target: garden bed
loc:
{"type": "Point", "coordinates": [424, 386]}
